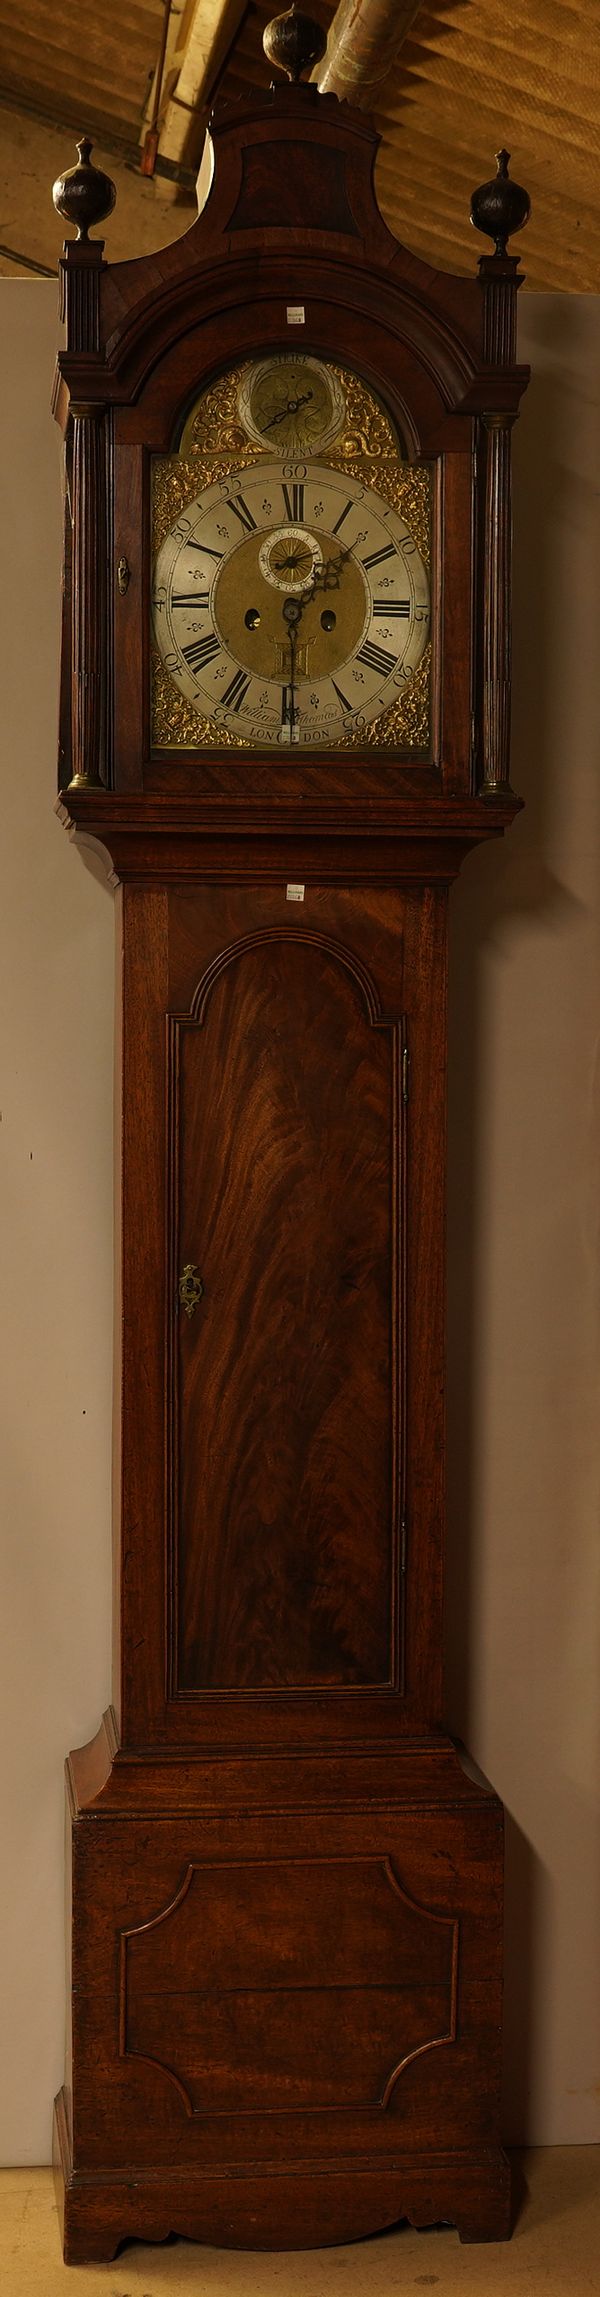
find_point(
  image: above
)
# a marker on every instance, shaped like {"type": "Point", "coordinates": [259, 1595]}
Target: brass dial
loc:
{"type": "Point", "coordinates": [292, 405]}
{"type": "Point", "coordinates": [291, 604]}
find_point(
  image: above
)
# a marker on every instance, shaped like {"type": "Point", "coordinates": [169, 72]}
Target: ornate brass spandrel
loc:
{"type": "Point", "coordinates": [177, 480]}
{"type": "Point", "coordinates": [214, 442]}
{"type": "Point", "coordinates": [176, 726]}
{"type": "Point", "coordinates": [368, 429]}
{"type": "Point", "coordinates": [406, 725]}
{"type": "Point", "coordinates": [406, 486]}
{"type": "Point", "coordinates": [214, 416]}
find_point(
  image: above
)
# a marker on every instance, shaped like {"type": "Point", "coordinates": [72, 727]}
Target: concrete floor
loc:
{"type": "Point", "coordinates": [555, 2248]}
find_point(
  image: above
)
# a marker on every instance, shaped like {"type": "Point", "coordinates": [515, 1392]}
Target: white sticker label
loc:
{"type": "Point", "coordinates": [296, 315]}
{"type": "Point", "coordinates": [294, 893]}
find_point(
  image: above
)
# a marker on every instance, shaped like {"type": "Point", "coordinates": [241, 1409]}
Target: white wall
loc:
{"type": "Point", "coordinates": [525, 1199]}
{"type": "Point", "coordinates": [524, 1588]}
{"type": "Point", "coordinates": [56, 962]}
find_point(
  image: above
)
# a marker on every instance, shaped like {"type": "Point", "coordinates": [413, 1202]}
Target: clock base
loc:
{"type": "Point", "coordinates": [296, 2209]}
{"type": "Point", "coordinates": [286, 1999]}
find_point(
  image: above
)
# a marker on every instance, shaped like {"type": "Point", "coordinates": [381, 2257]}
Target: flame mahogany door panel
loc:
{"type": "Point", "coordinates": [289, 1176]}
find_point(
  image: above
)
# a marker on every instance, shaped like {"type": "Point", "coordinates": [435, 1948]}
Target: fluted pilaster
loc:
{"type": "Point", "coordinates": [89, 634]}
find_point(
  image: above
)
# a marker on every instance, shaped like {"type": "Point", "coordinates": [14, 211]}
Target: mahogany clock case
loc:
{"type": "Point", "coordinates": [286, 1887]}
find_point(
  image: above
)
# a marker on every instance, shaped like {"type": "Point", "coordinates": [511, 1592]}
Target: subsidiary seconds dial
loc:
{"type": "Point", "coordinates": [291, 604]}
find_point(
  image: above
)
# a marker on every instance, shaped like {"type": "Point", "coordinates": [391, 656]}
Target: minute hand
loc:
{"type": "Point", "coordinates": [325, 577]}
{"type": "Point", "coordinates": [292, 614]}
{"type": "Point", "coordinates": [293, 408]}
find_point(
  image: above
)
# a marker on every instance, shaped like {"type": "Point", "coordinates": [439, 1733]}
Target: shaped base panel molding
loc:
{"type": "Point", "coordinates": [284, 2208]}
{"type": "Point", "coordinates": [286, 2000]}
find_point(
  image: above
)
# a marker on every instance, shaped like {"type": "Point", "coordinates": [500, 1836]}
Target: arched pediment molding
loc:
{"type": "Point", "coordinates": [287, 934]}
{"type": "Point", "coordinates": [176, 343]}
{"type": "Point", "coordinates": [305, 229]}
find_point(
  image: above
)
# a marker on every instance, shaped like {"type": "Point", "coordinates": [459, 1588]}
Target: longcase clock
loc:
{"type": "Point", "coordinates": [284, 721]}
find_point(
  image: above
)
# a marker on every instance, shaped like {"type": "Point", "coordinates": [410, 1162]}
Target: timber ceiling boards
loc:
{"type": "Point", "coordinates": [469, 77]}
{"type": "Point", "coordinates": [74, 65]}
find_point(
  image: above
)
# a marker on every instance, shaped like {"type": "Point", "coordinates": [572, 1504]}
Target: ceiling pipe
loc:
{"type": "Point", "coordinates": [363, 43]}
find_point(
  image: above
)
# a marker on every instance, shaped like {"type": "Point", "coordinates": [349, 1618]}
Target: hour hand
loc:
{"type": "Point", "coordinates": [327, 576]}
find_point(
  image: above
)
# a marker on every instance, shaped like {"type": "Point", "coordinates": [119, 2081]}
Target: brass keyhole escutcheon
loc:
{"type": "Point", "coordinates": [190, 1288]}
{"type": "Point", "coordinates": [123, 577]}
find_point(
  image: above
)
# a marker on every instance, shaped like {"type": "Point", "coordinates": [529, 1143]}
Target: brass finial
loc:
{"type": "Point", "coordinates": [84, 194]}
{"type": "Point", "coordinates": [294, 42]}
{"type": "Point", "coordinates": [500, 207]}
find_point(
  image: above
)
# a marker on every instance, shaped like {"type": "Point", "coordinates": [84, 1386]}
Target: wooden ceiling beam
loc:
{"type": "Point", "coordinates": [209, 30]}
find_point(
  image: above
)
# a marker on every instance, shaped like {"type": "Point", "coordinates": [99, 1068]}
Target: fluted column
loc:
{"type": "Point", "coordinates": [500, 277]}
{"type": "Point", "coordinates": [84, 195]}
{"type": "Point", "coordinates": [498, 209]}
{"type": "Point", "coordinates": [497, 604]}
{"type": "Point", "coordinates": [89, 598]}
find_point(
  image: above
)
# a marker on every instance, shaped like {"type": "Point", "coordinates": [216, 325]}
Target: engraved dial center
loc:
{"type": "Point", "coordinates": [258, 581]}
